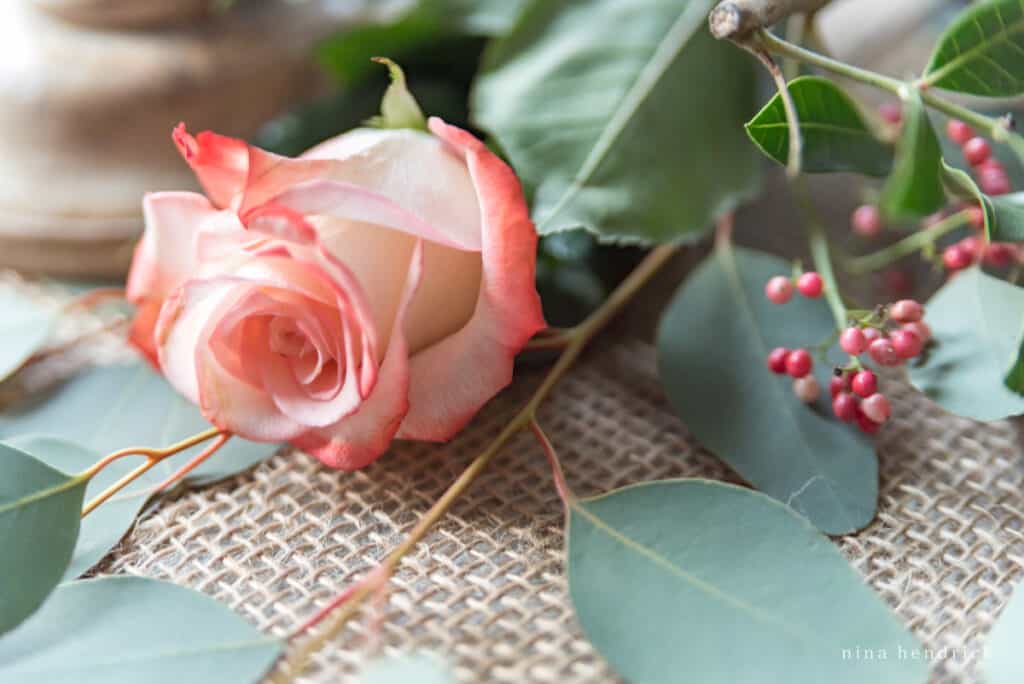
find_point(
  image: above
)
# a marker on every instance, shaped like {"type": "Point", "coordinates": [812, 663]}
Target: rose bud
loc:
{"type": "Point", "coordinates": [379, 286]}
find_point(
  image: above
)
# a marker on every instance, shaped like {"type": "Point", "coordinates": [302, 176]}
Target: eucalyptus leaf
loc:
{"type": "Point", "coordinates": [982, 51]}
{"type": "Point", "coordinates": [835, 137]}
{"type": "Point", "coordinates": [915, 186]}
{"type": "Point", "coordinates": [40, 509]}
{"type": "Point", "coordinates": [1004, 660]}
{"type": "Point", "coordinates": [712, 346]}
{"type": "Point", "coordinates": [419, 667]}
{"type": "Point", "coordinates": [700, 581]}
{"type": "Point", "coordinates": [103, 528]}
{"type": "Point", "coordinates": [622, 118]}
{"type": "Point", "coordinates": [976, 322]}
{"type": "Point", "coordinates": [25, 326]}
{"type": "Point", "coordinates": [108, 408]}
{"type": "Point", "coordinates": [134, 629]}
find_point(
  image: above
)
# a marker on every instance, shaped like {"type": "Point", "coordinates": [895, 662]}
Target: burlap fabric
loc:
{"type": "Point", "coordinates": [487, 587]}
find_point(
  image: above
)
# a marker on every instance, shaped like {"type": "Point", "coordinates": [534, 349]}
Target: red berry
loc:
{"type": "Point", "coordinates": [836, 385]}
{"type": "Point", "coordinates": [852, 341]}
{"type": "Point", "coordinates": [891, 112]}
{"type": "Point", "coordinates": [810, 285]}
{"type": "Point", "coordinates": [807, 389]}
{"type": "Point", "coordinates": [866, 425]}
{"type": "Point", "coordinates": [921, 329]}
{"type": "Point", "coordinates": [884, 353]}
{"type": "Point", "coordinates": [864, 383]}
{"type": "Point", "coordinates": [906, 311]}
{"type": "Point", "coordinates": [994, 182]}
{"type": "Point", "coordinates": [872, 334]}
{"type": "Point", "coordinates": [798, 363]}
{"type": "Point", "coordinates": [1000, 254]}
{"type": "Point", "coordinates": [973, 245]}
{"type": "Point", "coordinates": [876, 408]}
{"type": "Point", "coordinates": [907, 344]}
{"type": "Point", "coordinates": [845, 407]}
{"type": "Point", "coordinates": [777, 360]}
{"type": "Point", "coordinates": [958, 131]}
{"type": "Point", "coordinates": [866, 221]}
{"type": "Point", "coordinates": [779, 290]}
{"type": "Point", "coordinates": [897, 282]}
{"type": "Point", "coordinates": [955, 257]}
{"type": "Point", "coordinates": [976, 217]}
{"type": "Point", "coordinates": [976, 150]}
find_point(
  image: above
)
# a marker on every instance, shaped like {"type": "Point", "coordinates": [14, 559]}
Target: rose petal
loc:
{"type": "Point", "coordinates": [451, 380]}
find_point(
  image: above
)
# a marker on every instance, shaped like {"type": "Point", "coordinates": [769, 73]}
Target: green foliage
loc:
{"type": "Point", "coordinates": [126, 630]}
{"type": "Point", "coordinates": [39, 519]}
{"type": "Point", "coordinates": [914, 188]}
{"type": "Point", "coordinates": [712, 346]}
{"type": "Point", "coordinates": [25, 327]}
{"type": "Point", "coordinates": [976, 321]}
{"type": "Point", "coordinates": [700, 581]}
{"type": "Point", "coordinates": [102, 529]}
{"type": "Point", "coordinates": [982, 52]}
{"type": "Point", "coordinates": [419, 667]}
{"type": "Point", "coordinates": [835, 137]}
{"type": "Point", "coordinates": [1004, 660]}
{"type": "Point", "coordinates": [398, 108]}
{"type": "Point", "coordinates": [621, 118]}
{"type": "Point", "coordinates": [109, 408]}
{"type": "Point", "coordinates": [1004, 215]}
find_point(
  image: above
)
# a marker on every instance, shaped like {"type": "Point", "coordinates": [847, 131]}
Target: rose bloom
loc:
{"type": "Point", "coordinates": [379, 286]}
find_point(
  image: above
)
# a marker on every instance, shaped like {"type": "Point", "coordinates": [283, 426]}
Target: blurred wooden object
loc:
{"type": "Point", "coordinates": [86, 111]}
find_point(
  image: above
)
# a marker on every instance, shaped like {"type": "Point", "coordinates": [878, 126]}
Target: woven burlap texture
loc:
{"type": "Point", "coordinates": [487, 587]}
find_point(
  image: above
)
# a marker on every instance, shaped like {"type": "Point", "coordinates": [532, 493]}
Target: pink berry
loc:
{"type": "Point", "coordinates": [976, 217]}
{"type": "Point", "coordinates": [845, 407]}
{"type": "Point", "coordinates": [852, 341]}
{"type": "Point", "coordinates": [906, 311]}
{"type": "Point", "coordinates": [921, 329]}
{"type": "Point", "coordinates": [955, 258]}
{"type": "Point", "coordinates": [891, 112]}
{"type": "Point", "coordinates": [810, 285]}
{"type": "Point", "coordinates": [994, 182]}
{"type": "Point", "coordinates": [779, 290]}
{"type": "Point", "coordinates": [958, 131]}
{"type": "Point", "coordinates": [973, 245]}
{"type": "Point", "coordinates": [1000, 254]}
{"type": "Point", "coordinates": [864, 383]}
{"type": "Point", "coordinates": [907, 344]}
{"type": "Point", "coordinates": [866, 425]}
{"type": "Point", "coordinates": [896, 282]}
{"type": "Point", "coordinates": [876, 408]}
{"type": "Point", "coordinates": [777, 360]}
{"type": "Point", "coordinates": [976, 150]}
{"type": "Point", "coordinates": [871, 334]}
{"type": "Point", "coordinates": [866, 221]}
{"type": "Point", "coordinates": [798, 363]}
{"type": "Point", "coordinates": [807, 389]}
{"type": "Point", "coordinates": [836, 385]}
{"type": "Point", "coordinates": [884, 353]}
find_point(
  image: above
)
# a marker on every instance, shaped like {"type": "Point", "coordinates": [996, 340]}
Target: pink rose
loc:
{"type": "Point", "coordinates": [378, 286]}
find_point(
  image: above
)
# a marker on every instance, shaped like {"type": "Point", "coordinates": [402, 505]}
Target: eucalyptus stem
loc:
{"type": "Point", "coordinates": [907, 246]}
{"type": "Point", "coordinates": [820, 253]}
{"type": "Point", "coordinates": [577, 340]}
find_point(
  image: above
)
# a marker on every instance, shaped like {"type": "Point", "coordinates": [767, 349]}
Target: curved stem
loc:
{"type": "Point", "coordinates": [556, 466]}
{"type": "Point", "coordinates": [818, 242]}
{"type": "Point", "coordinates": [581, 335]}
{"type": "Point", "coordinates": [199, 459]}
{"type": "Point", "coordinates": [907, 246]}
{"type": "Point", "coordinates": [796, 141]}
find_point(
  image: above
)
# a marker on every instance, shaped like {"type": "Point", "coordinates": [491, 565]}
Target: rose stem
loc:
{"type": "Point", "coordinates": [579, 337]}
{"type": "Point", "coordinates": [153, 456]}
{"type": "Point", "coordinates": [906, 246]}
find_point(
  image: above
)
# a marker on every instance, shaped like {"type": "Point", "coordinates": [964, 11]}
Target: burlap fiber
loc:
{"type": "Point", "coordinates": [487, 588]}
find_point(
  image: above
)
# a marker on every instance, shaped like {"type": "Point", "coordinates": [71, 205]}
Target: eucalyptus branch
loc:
{"type": "Point", "coordinates": [349, 602]}
{"type": "Point", "coordinates": [738, 19]}
{"type": "Point", "coordinates": [907, 246]}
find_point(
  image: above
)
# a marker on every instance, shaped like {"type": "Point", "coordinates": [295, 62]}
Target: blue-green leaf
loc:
{"type": "Point", "coordinates": [133, 629]}
{"type": "Point", "coordinates": [700, 581]}
{"type": "Point", "coordinates": [419, 667]}
{"type": "Point", "coordinates": [25, 325]}
{"type": "Point", "coordinates": [713, 345]}
{"type": "Point", "coordinates": [835, 137]}
{"type": "Point", "coordinates": [1004, 660]}
{"type": "Point", "coordinates": [40, 509]}
{"type": "Point", "coordinates": [108, 408]}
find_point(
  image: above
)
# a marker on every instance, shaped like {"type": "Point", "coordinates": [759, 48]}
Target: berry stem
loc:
{"type": "Point", "coordinates": [818, 242]}
{"type": "Point", "coordinates": [907, 246]}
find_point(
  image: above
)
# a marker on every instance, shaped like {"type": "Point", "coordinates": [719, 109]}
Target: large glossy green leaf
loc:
{"type": "Point", "coordinates": [713, 345]}
{"type": "Point", "coordinates": [835, 137]}
{"type": "Point", "coordinates": [406, 668]}
{"type": "Point", "coordinates": [103, 528]}
{"type": "Point", "coordinates": [976, 322]}
{"type": "Point", "coordinates": [39, 518]}
{"type": "Point", "coordinates": [25, 325]}
{"type": "Point", "coordinates": [624, 118]}
{"type": "Point", "coordinates": [113, 407]}
{"type": "Point", "coordinates": [1004, 659]}
{"type": "Point", "coordinates": [982, 52]}
{"type": "Point", "coordinates": [134, 629]}
{"type": "Point", "coordinates": [915, 186]}
{"type": "Point", "coordinates": [699, 581]}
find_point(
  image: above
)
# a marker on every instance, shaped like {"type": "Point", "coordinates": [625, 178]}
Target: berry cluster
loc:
{"type": "Point", "coordinates": [779, 289]}
{"type": "Point", "coordinates": [855, 398]}
{"type": "Point", "coordinates": [797, 363]}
